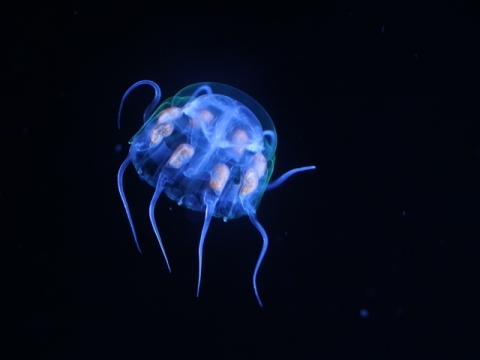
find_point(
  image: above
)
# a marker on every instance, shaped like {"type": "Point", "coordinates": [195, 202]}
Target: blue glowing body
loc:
{"type": "Point", "coordinates": [210, 148]}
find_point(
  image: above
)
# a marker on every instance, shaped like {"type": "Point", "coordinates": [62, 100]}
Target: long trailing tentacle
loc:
{"type": "Point", "coordinates": [206, 224]}
{"type": "Point", "coordinates": [253, 219]}
{"type": "Point", "coordinates": [285, 176]}
{"type": "Point", "coordinates": [153, 104]}
{"type": "Point", "coordinates": [158, 190]}
{"type": "Point", "coordinates": [121, 171]}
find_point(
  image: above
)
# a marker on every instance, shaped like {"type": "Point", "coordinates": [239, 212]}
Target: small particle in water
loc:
{"type": "Point", "coordinates": [364, 313]}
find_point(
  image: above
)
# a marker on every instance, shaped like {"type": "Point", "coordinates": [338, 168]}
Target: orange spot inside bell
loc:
{"type": "Point", "coordinates": [239, 139]}
{"type": "Point", "coordinates": [219, 177]}
{"type": "Point", "coordinates": [169, 114]}
{"type": "Point", "coordinates": [250, 182]}
{"type": "Point", "coordinates": [260, 164]}
{"type": "Point", "coordinates": [159, 132]}
{"type": "Point", "coordinates": [182, 154]}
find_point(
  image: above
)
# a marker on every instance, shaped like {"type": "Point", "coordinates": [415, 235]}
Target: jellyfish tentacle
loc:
{"type": "Point", "coordinates": [121, 171]}
{"type": "Point", "coordinates": [150, 108]}
{"type": "Point", "coordinates": [208, 216]}
{"type": "Point", "coordinates": [254, 220]}
{"type": "Point", "coordinates": [205, 88]}
{"type": "Point", "coordinates": [285, 176]}
{"type": "Point", "coordinates": [158, 190]}
{"type": "Point", "coordinates": [273, 143]}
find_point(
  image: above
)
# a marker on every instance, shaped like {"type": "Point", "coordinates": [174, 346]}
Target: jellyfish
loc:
{"type": "Point", "coordinates": [210, 148]}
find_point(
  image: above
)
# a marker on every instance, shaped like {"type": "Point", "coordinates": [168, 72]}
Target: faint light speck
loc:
{"type": "Point", "coordinates": [364, 313]}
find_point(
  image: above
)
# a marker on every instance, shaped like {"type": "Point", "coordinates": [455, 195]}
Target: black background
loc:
{"type": "Point", "coordinates": [383, 99]}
